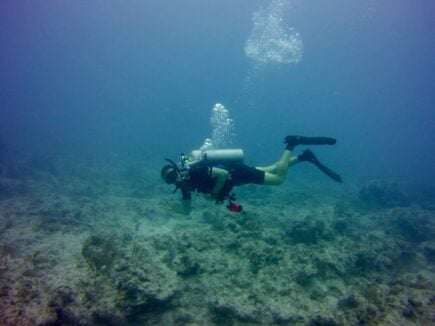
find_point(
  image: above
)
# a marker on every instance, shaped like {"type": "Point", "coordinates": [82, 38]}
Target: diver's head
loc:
{"type": "Point", "coordinates": [169, 174]}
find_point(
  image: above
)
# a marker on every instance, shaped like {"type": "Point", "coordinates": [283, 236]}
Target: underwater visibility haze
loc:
{"type": "Point", "coordinates": [96, 94]}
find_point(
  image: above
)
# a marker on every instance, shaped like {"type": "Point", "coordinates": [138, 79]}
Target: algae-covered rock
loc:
{"type": "Point", "coordinates": [320, 320]}
{"type": "Point", "coordinates": [107, 318]}
{"type": "Point", "coordinates": [146, 290]}
{"type": "Point", "coordinates": [343, 217]}
{"type": "Point", "coordinates": [381, 193]}
{"type": "Point", "coordinates": [309, 231]}
{"type": "Point", "coordinates": [414, 225]}
{"type": "Point", "coordinates": [99, 252]}
{"type": "Point", "coordinates": [187, 266]}
{"type": "Point", "coordinates": [227, 312]}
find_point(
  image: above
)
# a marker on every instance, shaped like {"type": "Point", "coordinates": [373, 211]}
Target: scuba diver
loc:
{"type": "Point", "coordinates": [215, 172]}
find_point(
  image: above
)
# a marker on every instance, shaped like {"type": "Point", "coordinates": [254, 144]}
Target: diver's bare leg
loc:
{"type": "Point", "coordinates": [277, 172]}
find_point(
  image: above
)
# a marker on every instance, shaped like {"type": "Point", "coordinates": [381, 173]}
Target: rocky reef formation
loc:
{"type": "Point", "coordinates": [83, 256]}
{"type": "Point", "coordinates": [381, 193]}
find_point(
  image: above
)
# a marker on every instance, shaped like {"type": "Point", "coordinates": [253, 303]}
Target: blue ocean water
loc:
{"type": "Point", "coordinates": [143, 76]}
{"type": "Point", "coordinates": [96, 94]}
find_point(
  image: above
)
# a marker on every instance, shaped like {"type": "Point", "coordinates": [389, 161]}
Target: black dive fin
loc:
{"type": "Point", "coordinates": [317, 141]}
{"type": "Point", "coordinates": [327, 171]}
{"type": "Point", "coordinates": [301, 140]}
{"type": "Point", "coordinates": [308, 156]}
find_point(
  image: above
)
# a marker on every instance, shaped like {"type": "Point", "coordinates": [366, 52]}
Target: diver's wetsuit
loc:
{"type": "Point", "coordinates": [200, 180]}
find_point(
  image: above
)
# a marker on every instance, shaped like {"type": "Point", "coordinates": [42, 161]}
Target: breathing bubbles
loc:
{"type": "Point", "coordinates": [223, 131]}
{"type": "Point", "coordinates": [222, 126]}
{"type": "Point", "coordinates": [271, 40]}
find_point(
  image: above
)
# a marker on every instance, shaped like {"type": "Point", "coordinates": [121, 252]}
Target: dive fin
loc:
{"type": "Point", "coordinates": [292, 141]}
{"type": "Point", "coordinates": [328, 172]}
{"type": "Point", "coordinates": [308, 156]}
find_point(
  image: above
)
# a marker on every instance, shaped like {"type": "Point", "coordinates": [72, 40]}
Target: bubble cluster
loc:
{"type": "Point", "coordinates": [208, 144]}
{"type": "Point", "coordinates": [271, 41]}
{"type": "Point", "coordinates": [222, 129]}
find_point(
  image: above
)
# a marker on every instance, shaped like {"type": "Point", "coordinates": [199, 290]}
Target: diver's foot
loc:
{"type": "Point", "coordinates": [308, 156]}
{"type": "Point", "coordinates": [292, 141]}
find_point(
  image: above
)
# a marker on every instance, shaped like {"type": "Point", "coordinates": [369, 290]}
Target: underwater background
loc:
{"type": "Point", "coordinates": [96, 94]}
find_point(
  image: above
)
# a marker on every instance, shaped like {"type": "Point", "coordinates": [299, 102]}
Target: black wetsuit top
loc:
{"type": "Point", "coordinates": [200, 180]}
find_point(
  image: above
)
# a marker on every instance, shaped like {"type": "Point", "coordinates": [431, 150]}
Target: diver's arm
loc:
{"type": "Point", "coordinates": [186, 199]}
{"type": "Point", "coordinates": [221, 176]}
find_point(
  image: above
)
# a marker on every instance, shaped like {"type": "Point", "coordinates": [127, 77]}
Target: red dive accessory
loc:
{"type": "Point", "coordinates": [232, 206]}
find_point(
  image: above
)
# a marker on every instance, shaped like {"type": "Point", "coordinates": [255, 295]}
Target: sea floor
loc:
{"type": "Point", "coordinates": [92, 243]}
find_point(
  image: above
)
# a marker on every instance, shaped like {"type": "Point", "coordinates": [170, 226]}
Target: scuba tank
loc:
{"type": "Point", "coordinates": [224, 156]}
{"type": "Point", "coordinates": [214, 157]}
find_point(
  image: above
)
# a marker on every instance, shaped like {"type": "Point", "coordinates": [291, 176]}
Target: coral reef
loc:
{"type": "Point", "coordinates": [98, 253]}
{"type": "Point", "coordinates": [382, 193]}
